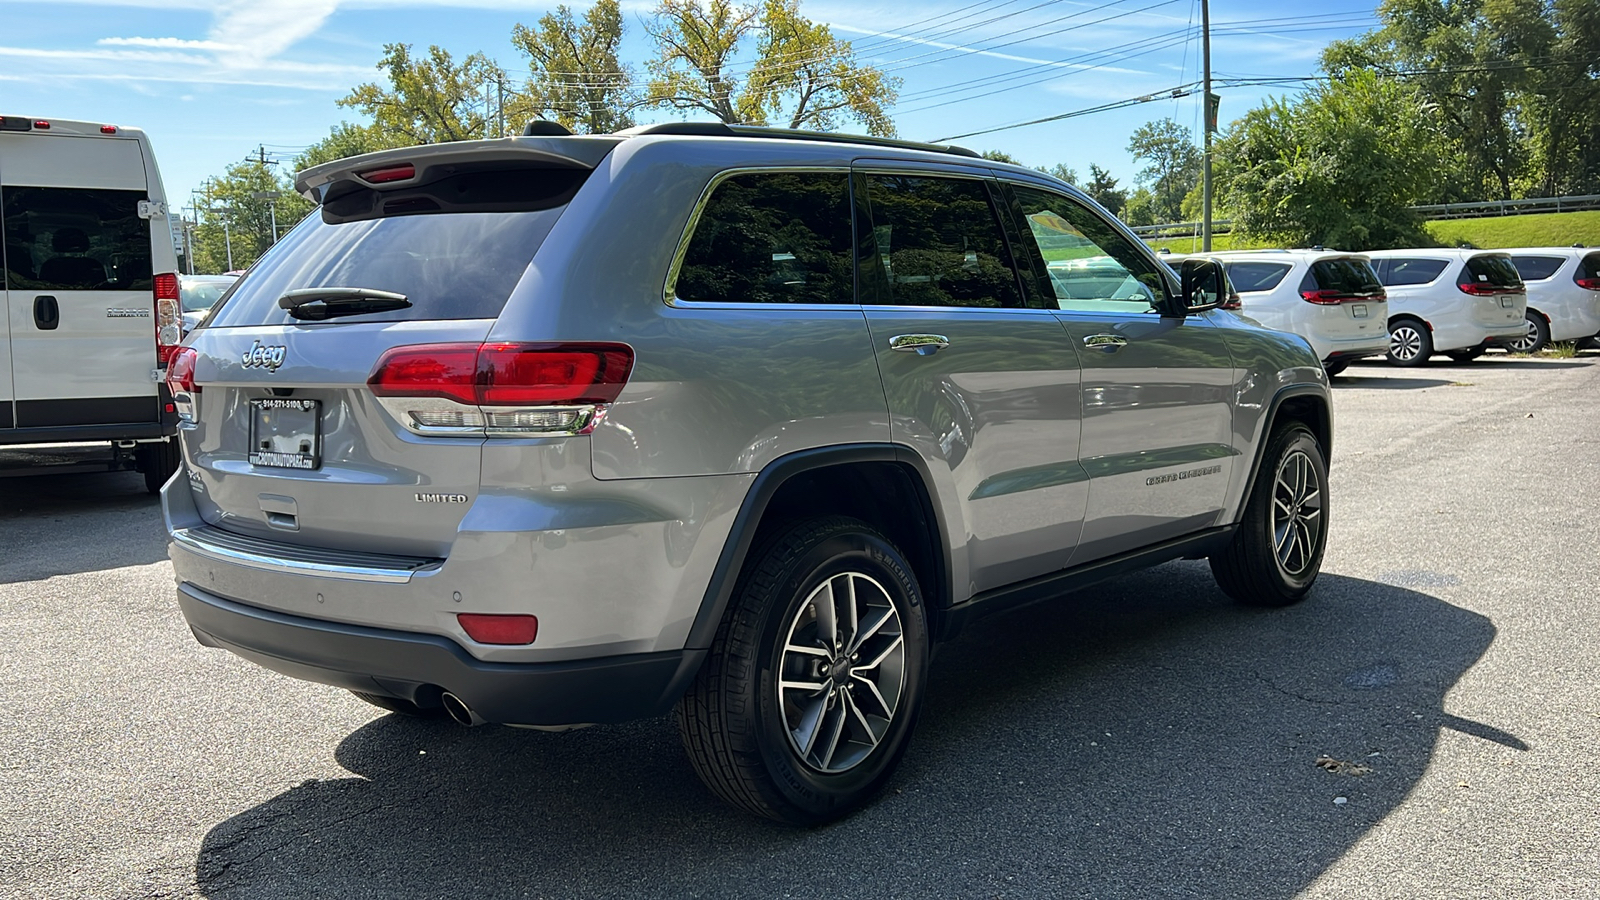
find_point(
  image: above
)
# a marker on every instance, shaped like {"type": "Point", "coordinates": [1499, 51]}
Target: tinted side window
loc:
{"type": "Point", "coordinates": [1536, 268]}
{"type": "Point", "coordinates": [772, 237]}
{"type": "Point", "coordinates": [1350, 276]}
{"type": "Point", "coordinates": [1412, 271]}
{"type": "Point", "coordinates": [76, 239]}
{"type": "Point", "coordinates": [935, 242]}
{"type": "Point", "coordinates": [1092, 267]}
{"type": "Point", "coordinates": [1248, 277]}
{"type": "Point", "coordinates": [1494, 270]}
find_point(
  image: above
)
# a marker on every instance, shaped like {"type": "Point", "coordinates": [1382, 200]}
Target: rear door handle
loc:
{"type": "Point", "coordinates": [1105, 343]}
{"type": "Point", "coordinates": [920, 344]}
{"type": "Point", "coordinates": [46, 313]}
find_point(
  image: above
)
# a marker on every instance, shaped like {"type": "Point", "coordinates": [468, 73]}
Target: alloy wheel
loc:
{"type": "Point", "coordinates": [1297, 520]}
{"type": "Point", "coordinates": [1405, 343]}
{"type": "Point", "coordinates": [1530, 338]}
{"type": "Point", "coordinates": [842, 672]}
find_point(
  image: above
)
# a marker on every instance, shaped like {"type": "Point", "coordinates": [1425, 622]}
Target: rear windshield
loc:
{"type": "Point", "coordinates": [1494, 270]}
{"type": "Point", "coordinates": [1403, 271]}
{"type": "Point", "coordinates": [1536, 268]}
{"type": "Point", "coordinates": [1589, 266]}
{"type": "Point", "coordinates": [1347, 275]}
{"type": "Point", "coordinates": [1250, 277]}
{"type": "Point", "coordinates": [449, 265]}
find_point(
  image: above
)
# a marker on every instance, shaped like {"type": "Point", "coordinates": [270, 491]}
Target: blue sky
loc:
{"type": "Point", "coordinates": [210, 80]}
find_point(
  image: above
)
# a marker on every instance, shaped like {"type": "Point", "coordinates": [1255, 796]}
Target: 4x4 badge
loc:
{"type": "Point", "coordinates": [260, 356]}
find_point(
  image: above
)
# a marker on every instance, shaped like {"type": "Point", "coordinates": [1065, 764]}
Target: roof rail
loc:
{"type": "Point", "coordinates": [720, 129]}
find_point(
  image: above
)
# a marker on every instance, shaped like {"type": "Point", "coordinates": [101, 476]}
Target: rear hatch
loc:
{"type": "Point", "coordinates": [289, 443]}
{"type": "Point", "coordinates": [1497, 296]}
{"type": "Point", "coordinates": [1351, 300]}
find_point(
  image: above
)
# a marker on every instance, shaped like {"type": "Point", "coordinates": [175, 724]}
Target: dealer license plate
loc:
{"type": "Point", "coordinates": [286, 434]}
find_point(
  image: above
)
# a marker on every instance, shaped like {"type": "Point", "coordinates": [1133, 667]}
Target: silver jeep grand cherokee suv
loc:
{"type": "Point", "coordinates": [557, 430]}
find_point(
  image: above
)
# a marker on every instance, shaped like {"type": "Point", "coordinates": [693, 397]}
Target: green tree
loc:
{"type": "Point", "coordinates": [575, 76]}
{"type": "Point", "coordinates": [1001, 156]}
{"type": "Point", "coordinates": [1172, 169]}
{"type": "Point", "coordinates": [430, 99]}
{"type": "Point", "coordinates": [235, 216]}
{"type": "Point", "coordinates": [346, 140]}
{"type": "Point", "coordinates": [800, 73]}
{"type": "Point", "coordinates": [1102, 189]}
{"type": "Point", "coordinates": [1337, 167]}
{"type": "Point", "coordinates": [1141, 209]}
{"type": "Point", "coordinates": [1063, 172]}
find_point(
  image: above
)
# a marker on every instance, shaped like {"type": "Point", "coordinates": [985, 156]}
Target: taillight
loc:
{"type": "Point", "coordinates": [1485, 289]}
{"type": "Point", "coordinates": [180, 382]}
{"type": "Point", "coordinates": [501, 388]}
{"type": "Point", "coordinates": [169, 317]}
{"type": "Point", "coordinates": [1329, 297]}
{"type": "Point", "coordinates": [1591, 284]}
{"type": "Point", "coordinates": [41, 125]}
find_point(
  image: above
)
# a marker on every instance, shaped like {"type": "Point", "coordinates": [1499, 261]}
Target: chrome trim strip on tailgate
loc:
{"type": "Point", "coordinates": [224, 546]}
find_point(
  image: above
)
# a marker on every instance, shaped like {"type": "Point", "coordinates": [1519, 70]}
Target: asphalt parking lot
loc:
{"type": "Point", "coordinates": [1142, 739]}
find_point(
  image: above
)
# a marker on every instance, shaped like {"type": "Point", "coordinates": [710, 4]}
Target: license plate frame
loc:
{"type": "Point", "coordinates": [1359, 311]}
{"type": "Point", "coordinates": [286, 433]}
{"type": "Point", "coordinates": [1507, 303]}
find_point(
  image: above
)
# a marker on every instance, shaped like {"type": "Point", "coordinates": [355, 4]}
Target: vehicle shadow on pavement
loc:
{"type": "Point", "coordinates": [63, 524]}
{"type": "Point", "coordinates": [1349, 379]}
{"type": "Point", "coordinates": [1144, 738]}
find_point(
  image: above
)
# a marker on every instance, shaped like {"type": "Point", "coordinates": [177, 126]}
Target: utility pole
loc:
{"type": "Point", "coordinates": [1210, 103]}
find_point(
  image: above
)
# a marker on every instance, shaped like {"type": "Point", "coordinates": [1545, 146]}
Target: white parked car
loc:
{"type": "Point", "coordinates": [1331, 298]}
{"type": "Point", "coordinates": [1455, 302]}
{"type": "Point", "coordinates": [1563, 294]}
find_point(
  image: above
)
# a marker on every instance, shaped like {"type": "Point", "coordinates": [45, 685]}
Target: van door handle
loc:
{"type": "Point", "coordinates": [920, 344]}
{"type": "Point", "coordinates": [46, 313]}
{"type": "Point", "coordinates": [1105, 343]}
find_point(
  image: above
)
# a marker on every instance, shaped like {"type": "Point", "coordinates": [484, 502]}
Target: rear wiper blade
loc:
{"type": "Point", "coordinates": [328, 302]}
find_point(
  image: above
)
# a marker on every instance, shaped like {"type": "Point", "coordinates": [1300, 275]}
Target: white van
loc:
{"type": "Point", "coordinates": [90, 293]}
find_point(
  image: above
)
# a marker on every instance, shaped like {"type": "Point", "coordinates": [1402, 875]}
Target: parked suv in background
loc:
{"type": "Point", "coordinates": [91, 286]}
{"type": "Point", "coordinates": [1330, 298]}
{"type": "Point", "coordinates": [559, 430]}
{"type": "Point", "coordinates": [1455, 302]}
{"type": "Point", "coordinates": [1563, 295]}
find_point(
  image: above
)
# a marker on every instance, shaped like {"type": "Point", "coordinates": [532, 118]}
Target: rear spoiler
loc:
{"type": "Point", "coordinates": [431, 162]}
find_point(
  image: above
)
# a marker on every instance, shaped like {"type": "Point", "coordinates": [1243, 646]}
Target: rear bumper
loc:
{"type": "Point", "coordinates": [419, 667]}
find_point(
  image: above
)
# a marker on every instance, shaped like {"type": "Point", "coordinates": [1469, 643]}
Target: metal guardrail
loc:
{"type": "Point", "coordinates": [1431, 211]}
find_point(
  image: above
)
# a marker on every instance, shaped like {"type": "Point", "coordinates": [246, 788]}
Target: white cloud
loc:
{"type": "Point", "coordinates": [264, 30]}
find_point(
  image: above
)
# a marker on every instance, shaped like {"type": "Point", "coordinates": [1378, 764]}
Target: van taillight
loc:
{"type": "Point", "coordinates": [1591, 284]}
{"type": "Point", "coordinates": [512, 389]}
{"type": "Point", "coordinates": [169, 317]}
{"type": "Point", "coordinates": [1485, 289]}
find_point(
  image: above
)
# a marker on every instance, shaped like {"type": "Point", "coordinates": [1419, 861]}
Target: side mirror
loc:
{"type": "Point", "coordinates": [1204, 286]}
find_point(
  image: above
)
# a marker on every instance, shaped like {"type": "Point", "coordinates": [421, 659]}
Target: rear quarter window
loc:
{"type": "Point", "coordinates": [1403, 271]}
{"type": "Point", "coordinates": [1536, 268]}
{"type": "Point", "coordinates": [772, 237]}
{"type": "Point", "coordinates": [1255, 277]}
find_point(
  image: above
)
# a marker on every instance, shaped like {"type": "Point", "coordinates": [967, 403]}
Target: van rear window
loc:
{"type": "Point", "coordinates": [449, 265]}
{"type": "Point", "coordinates": [75, 239]}
{"type": "Point", "coordinates": [1494, 270]}
{"type": "Point", "coordinates": [1347, 275]}
{"type": "Point", "coordinates": [1589, 266]}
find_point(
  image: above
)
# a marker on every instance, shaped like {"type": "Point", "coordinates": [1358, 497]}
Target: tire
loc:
{"type": "Point", "coordinates": [745, 728]}
{"type": "Point", "coordinates": [1335, 367]}
{"type": "Point", "coordinates": [1537, 336]}
{"type": "Point", "coordinates": [1410, 344]}
{"type": "Point", "coordinates": [1290, 496]}
{"type": "Point", "coordinates": [158, 461]}
{"type": "Point", "coordinates": [403, 707]}
{"type": "Point", "coordinates": [1467, 355]}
